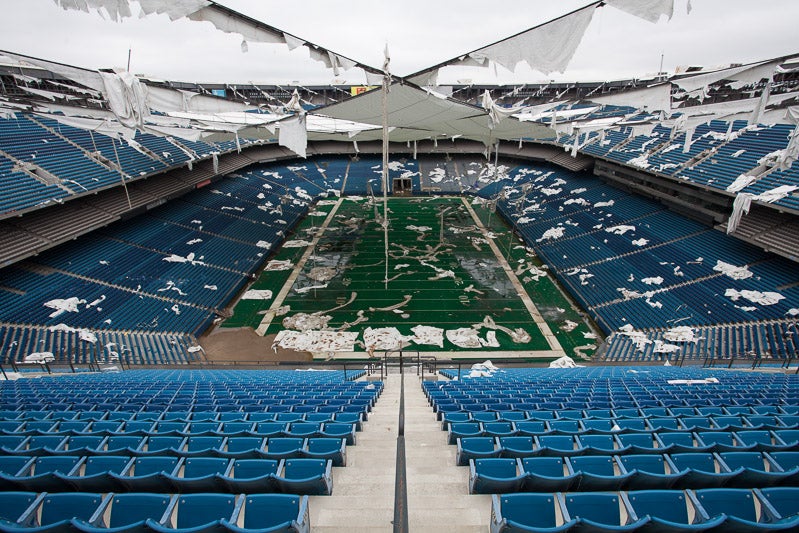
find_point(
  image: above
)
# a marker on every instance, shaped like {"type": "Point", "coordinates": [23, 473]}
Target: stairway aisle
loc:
{"type": "Point", "coordinates": [363, 491]}
{"type": "Point", "coordinates": [438, 489]}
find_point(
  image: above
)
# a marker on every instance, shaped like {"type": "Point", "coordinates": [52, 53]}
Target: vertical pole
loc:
{"type": "Point", "coordinates": [386, 82]}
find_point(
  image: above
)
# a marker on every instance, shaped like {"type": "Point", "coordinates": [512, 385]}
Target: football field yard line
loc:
{"type": "Point", "coordinates": [554, 345]}
{"type": "Point", "coordinates": [281, 296]}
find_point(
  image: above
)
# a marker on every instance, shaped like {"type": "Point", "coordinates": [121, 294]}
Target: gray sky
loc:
{"type": "Point", "coordinates": [419, 33]}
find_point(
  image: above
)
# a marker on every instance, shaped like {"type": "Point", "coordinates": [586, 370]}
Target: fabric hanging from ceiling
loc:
{"type": "Point", "coordinates": [108, 127]}
{"type": "Point", "coordinates": [737, 76]}
{"type": "Point", "coordinates": [418, 114]}
{"type": "Point", "coordinates": [227, 23]}
{"type": "Point", "coordinates": [115, 10]}
{"type": "Point", "coordinates": [762, 102]}
{"type": "Point", "coordinates": [50, 95]}
{"type": "Point", "coordinates": [740, 207]}
{"type": "Point", "coordinates": [88, 78]}
{"type": "Point", "coordinates": [783, 159]}
{"type": "Point", "coordinates": [649, 10]}
{"type": "Point", "coordinates": [547, 48]}
{"type": "Point", "coordinates": [293, 135]}
{"type": "Point", "coordinates": [190, 134]}
{"type": "Point", "coordinates": [174, 9]}
{"type": "Point", "coordinates": [655, 98]}
{"type": "Point", "coordinates": [126, 96]}
{"type": "Point", "coordinates": [169, 100]}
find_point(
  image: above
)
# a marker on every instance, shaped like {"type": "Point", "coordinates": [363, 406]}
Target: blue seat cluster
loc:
{"type": "Point", "coordinates": [81, 160]}
{"type": "Point", "coordinates": [578, 473]}
{"type": "Point", "coordinates": [629, 261]}
{"type": "Point", "coordinates": [134, 512]}
{"type": "Point", "coordinates": [187, 451]}
{"type": "Point", "coordinates": [627, 448]}
{"type": "Point", "coordinates": [773, 509]}
{"type": "Point", "coordinates": [165, 474]}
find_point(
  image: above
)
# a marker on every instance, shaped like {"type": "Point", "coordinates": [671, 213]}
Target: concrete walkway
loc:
{"type": "Point", "coordinates": [363, 491]}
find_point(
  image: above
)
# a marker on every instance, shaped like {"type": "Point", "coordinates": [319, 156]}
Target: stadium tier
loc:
{"type": "Point", "coordinates": [628, 260]}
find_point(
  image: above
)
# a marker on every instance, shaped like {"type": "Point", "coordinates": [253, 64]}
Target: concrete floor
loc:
{"type": "Point", "coordinates": [363, 491]}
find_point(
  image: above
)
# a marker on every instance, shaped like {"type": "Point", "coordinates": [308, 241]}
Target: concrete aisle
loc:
{"type": "Point", "coordinates": [438, 489]}
{"type": "Point", "coordinates": [363, 491]}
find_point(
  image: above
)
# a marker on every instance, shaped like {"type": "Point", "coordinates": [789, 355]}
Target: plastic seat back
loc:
{"type": "Point", "coordinates": [67, 505]}
{"type": "Point", "coordinates": [264, 511]}
{"type": "Point", "coordinates": [254, 468]}
{"type": "Point", "coordinates": [602, 508]}
{"type": "Point", "coordinates": [669, 505]}
{"type": "Point", "coordinates": [132, 508]}
{"type": "Point", "coordinates": [739, 503]}
{"type": "Point", "coordinates": [194, 510]}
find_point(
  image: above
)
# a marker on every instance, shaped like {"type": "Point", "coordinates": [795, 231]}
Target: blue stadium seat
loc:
{"type": "Point", "coordinates": [96, 475]}
{"type": "Point", "coordinates": [198, 513]}
{"type": "Point", "coordinates": [325, 448]}
{"type": "Point", "coordinates": [44, 475]}
{"type": "Point", "coordinates": [311, 477]}
{"type": "Point", "coordinates": [55, 512]}
{"type": "Point", "coordinates": [250, 476]}
{"type": "Point", "coordinates": [784, 500]}
{"type": "Point", "coordinates": [648, 471]}
{"type": "Point", "coordinates": [244, 447]}
{"type": "Point", "coordinates": [13, 505]}
{"type": "Point", "coordinates": [668, 510]}
{"type": "Point", "coordinates": [698, 469]}
{"type": "Point", "coordinates": [339, 430]}
{"type": "Point", "coordinates": [278, 513]}
{"type": "Point", "coordinates": [517, 446]}
{"type": "Point", "coordinates": [469, 448]}
{"type": "Point", "coordinates": [495, 476]}
{"type": "Point", "coordinates": [199, 474]}
{"type": "Point", "coordinates": [548, 474]}
{"type": "Point", "coordinates": [740, 509]}
{"type": "Point", "coordinates": [595, 510]}
{"type": "Point", "coordinates": [127, 513]}
{"type": "Point", "coordinates": [597, 473]}
{"type": "Point", "coordinates": [516, 513]}
{"type": "Point", "coordinates": [148, 474]}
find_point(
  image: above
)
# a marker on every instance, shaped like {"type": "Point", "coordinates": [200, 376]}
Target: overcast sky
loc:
{"type": "Point", "coordinates": [419, 33]}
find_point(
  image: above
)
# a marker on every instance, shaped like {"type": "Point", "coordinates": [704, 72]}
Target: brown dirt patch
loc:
{"type": "Point", "coordinates": [243, 345]}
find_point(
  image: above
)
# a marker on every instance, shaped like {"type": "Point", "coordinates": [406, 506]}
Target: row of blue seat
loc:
{"type": "Point", "coordinates": [622, 444]}
{"type": "Point", "coordinates": [121, 473]}
{"type": "Point", "coordinates": [774, 414]}
{"type": "Point", "coordinates": [30, 512]}
{"type": "Point", "coordinates": [600, 427]}
{"type": "Point", "coordinates": [771, 509]}
{"type": "Point", "coordinates": [633, 472]}
{"type": "Point", "coordinates": [276, 447]}
{"type": "Point", "coordinates": [516, 421]}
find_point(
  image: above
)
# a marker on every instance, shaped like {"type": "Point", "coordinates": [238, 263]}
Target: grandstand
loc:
{"type": "Point", "coordinates": [212, 296]}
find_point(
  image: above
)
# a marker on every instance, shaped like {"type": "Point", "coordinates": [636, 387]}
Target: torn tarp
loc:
{"type": "Point", "coordinates": [294, 135]}
{"type": "Point", "coordinates": [546, 48]}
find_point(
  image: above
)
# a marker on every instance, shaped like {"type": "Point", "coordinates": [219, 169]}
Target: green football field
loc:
{"type": "Point", "coordinates": [439, 270]}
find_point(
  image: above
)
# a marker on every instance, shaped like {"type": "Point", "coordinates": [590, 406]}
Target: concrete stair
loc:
{"type": "Point", "coordinates": [363, 491]}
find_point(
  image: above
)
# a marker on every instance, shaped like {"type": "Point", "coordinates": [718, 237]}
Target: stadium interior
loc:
{"type": "Point", "coordinates": [398, 305]}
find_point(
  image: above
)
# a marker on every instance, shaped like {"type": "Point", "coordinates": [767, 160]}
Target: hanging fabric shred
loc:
{"type": "Point", "coordinates": [293, 135]}
{"type": "Point", "coordinates": [547, 48]}
{"type": "Point", "coordinates": [740, 207]}
{"type": "Point", "coordinates": [649, 10]}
